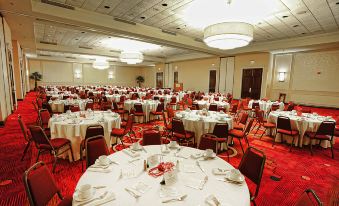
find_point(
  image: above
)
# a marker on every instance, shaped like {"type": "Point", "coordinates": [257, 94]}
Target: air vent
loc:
{"type": "Point", "coordinates": [85, 47]}
{"type": "Point", "coordinates": [71, 58]}
{"type": "Point", "coordinates": [199, 40]}
{"type": "Point", "coordinates": [169, 32]}
{"type": "Point", "coordinates": [53, 3]}
{"type": "Point", "coordinates": [46, 42]}
{"type": "Point", "coordinates": [45, 55]}
{"type": "Point", "coordinates": [124, 21]}
{"type": "Point", "coordinates": [92, 59]}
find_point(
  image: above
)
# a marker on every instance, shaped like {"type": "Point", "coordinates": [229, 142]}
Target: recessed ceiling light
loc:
{"type": "Point", "coordinates": [107, 7]}
{"type": "Point", "coordinates": [303, 33]}
{"type": "Point", "coordinates": [82, 32]}
{"type": "Point", "coordinates": [109, 37]}
{"type": "Point", "coordinates": [295, 25]}
{"type": "Point", "coordinates": [155, 9]}
{"type": "Point", "coordinates": [164, 4]}
{"type": "Point", "coordinates": [142, 17]}
{"type": "Point", "coordinates": [337, 3]}
{"type": "Point", "coordinates": [302, 12]}
{"type": "Point", "coordinates": [285, 16]}
{"type": "Point", "coordinates": [76, 39]}
{"type": "Point", "coordinates": [178, 28]}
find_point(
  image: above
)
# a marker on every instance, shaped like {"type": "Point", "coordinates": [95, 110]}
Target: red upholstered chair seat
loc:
{"type": "Point", "coordinates": [123, 124]}
{"type": "Point", "coordinates": [269, 125]}
{"type": "Point", "coordinates": [56, 143]}
{"type": "Point", "coordinates": [238, 126]}
{"type": "Point", "coordinates": [117, 132]}
{"type": "Point", "coordinates": [139, 114]}
{"type": "Point", "coordinates": [189, 135]}
{"type": "Point", "coordinates": [67, 201]}
{"type": "Point", "coordinates": [287, 132]}
{"type": "Point", "coordinates": [313, 135]}
{"type": "Point", "coordinates": [236, 133]}
{"type": "Point", "coordinates": [156, 113]}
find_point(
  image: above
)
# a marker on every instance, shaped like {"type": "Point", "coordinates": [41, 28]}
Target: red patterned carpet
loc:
{"type": "Point", "coordinates": [298, 170]}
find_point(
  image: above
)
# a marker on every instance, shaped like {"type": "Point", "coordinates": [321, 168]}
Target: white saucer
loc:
{"type": "Point", "coordinates": [240, 179]}
{"type": "Point", "coordinates": [136, 149]}
{"type": "Point", "coordinates": [210, 157]}
{"type": "Point", "coordinates": [174, 146]}
{"type": "Point", "coordinates": [78, 199]}
{"type": "Point", "coordinates": [97, 162]}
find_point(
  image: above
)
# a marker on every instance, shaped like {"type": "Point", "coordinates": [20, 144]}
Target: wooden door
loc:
{"type": "Point", "coordinates": [251, 83]}
{"type": "Point", "coordinates": [159, 80]}
{"type": "Point", "coordinates": [212, 81]}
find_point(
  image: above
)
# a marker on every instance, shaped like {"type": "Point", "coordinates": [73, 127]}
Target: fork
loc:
{"type": "Point", "coordinates": [181, 198]}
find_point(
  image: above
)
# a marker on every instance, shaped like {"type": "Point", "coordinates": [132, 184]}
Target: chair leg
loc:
{"type": "Point", "coordinates": [254, 204]}
{"type": "Point", "coordinates": [332, 149]}
{"type": "Point", "coordinates": [241, 146]}
{"type": "Point", "coordinates": [55, 161]}
{"type": "Point", "coordinates": [70, 147]}
{"type": "Point", "coordinates": [37, 158]}
{"type": "Point", "coordinates": [311, 147]}
{"type": "Point", "coordinates": [25, 151]}
{"type": "Point", "coordinates": [263, 132]}
{"type": "Point", "coordinates": [292, 144]}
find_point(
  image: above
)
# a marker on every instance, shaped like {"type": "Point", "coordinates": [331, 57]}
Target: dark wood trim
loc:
{"type": "Point", "coordinates": [19, 99]}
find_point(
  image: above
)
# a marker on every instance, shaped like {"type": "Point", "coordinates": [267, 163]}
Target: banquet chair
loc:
{"type": "Point", "coordinates": [284, 128]}
{"type": "Point", "coordinates": [173, 101]}
{"type": "Point", "coordinates": [306, 110]}
{"type": "Point", "coordinates": [44, 117]}
{"type": "Point", "coordinates": [240, 125]}
{"type": "Point", "coordinates": [219, 136]}
{"type": "Point", "coordinates": [234, 109]}
{"type": "Point", "coordinates": [27, 135]}
{"type": "Point", "coordinates": [242, 134]}
{"type": "Point", "coordinates": [274, 107]}
{"type": "Point", "coordinates": [106, 105]}
{"type": "Point", "coordinates": [95, 146]}
{"type": "Point", "coordinates": [167, 125]}
{"type": "Point", "coordinates": [213, 107]}
{"type": "Point", "coordinates": [170, 112]}
{"type": "Point", "coordinates": [308, 198]}
{"type": "Point", "coordinates": [74, 108]}
{"type": "Point", "coordinates": [180, 134]}
{"type": "Point", "coordinates": [252, 166]}
{"type": "Point", "coordinates": [54, 146]}
{"type": "Point", "coordinates": [151, 137]}
{"type": "Point", "coordinates": [244, 105]}
{"type": "Point", "coordinates": [120, 133]}
{"type": "Point", "coordinates": [41, 187]}
{"type": "Point", "coordinates": [91, 131]}
{"type": "Point", "coordinates": [194, 106]}
{"type": "Point", "coordinates": [122, 100]}
{"type": "Point", "coordinates": [89, 105]}
{"type": "Point", "coordinates": [324, 132]}
{"type": "Point", "coordinates": [207, 142]}
{"type": "Point", "coordinates": [263, 123]}
{"type": "Point", "coordinates": [158, 111]}
{"type": "Point", "coordinates": [290, 106]}
{"type": "Point", "coordinates": [139, 111]}
{"type": "Point", "coordinates": [156, 98]}
{"type": "Point", "coordinates": [118, 110]}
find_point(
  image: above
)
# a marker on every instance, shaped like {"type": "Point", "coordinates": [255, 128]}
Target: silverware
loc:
{"type": "Point", "coordinates": [94, 199]}
{"type": "Point", "coordinates": [134, 194]}
{"type": "Point", "coordinates": [180, 198]}
{"type": "Point", "coordinates": [143, 148]}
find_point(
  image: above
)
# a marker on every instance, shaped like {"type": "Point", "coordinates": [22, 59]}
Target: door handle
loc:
{"type": "Point", "coordinates": [250, 90]}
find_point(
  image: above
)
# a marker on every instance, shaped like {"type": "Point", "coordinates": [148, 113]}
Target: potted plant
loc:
{"type": "Point", "coordinates": [140, 79]}
{"type": "Point", "coordinates": [36, 76]}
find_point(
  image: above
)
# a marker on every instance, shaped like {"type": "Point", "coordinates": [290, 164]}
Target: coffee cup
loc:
{"type": "Point", "coordinates": [85, 191]}
{"type": "Point", "coordinates": [173, 143]}
{"type": "Point", "coordinates": [135, 145]}
{"type": "Point", "coordinates": [235, 174]}
{"type": "Point", "coordinates": [209, 152]}
{"type": "Point", "coordinates": [103, 160]}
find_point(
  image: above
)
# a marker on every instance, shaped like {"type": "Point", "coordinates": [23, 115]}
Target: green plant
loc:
{"type": "Point", "coordinates": [36, 76]}
{"type": "Point", "coordinates": [140, 79]}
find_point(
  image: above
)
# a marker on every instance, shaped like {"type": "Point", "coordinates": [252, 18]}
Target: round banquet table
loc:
{"type": "Point", "coordinates": [200, 124]}
{"type": "Point", "coordinates": [304, 123]}
{"type": "Point", "coordinates": [147, 106]}
{"type": "Point", "coordinates": [205, 104]}
{"type": "Point", "coordinates": [113, 97]}
{"type": "Point", "coordinates": [115, 182]}
{"type": "Point", "coordinates": [266, 105]}
{"type": "Point", "coordinates": [64, 126]}
{"type": "Point", "coordinates": [59, 105]}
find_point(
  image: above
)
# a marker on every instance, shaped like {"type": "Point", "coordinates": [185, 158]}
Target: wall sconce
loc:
{"type": "Point", "coordinates": [110, 75]}
{"type": "Point", "coordinates": [281, 76]}
{"type": "Point", "coordinates": [77, 74]}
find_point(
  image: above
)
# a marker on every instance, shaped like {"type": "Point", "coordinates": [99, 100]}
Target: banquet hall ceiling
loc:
{"type": "Point", "coordinates": [80, 26]}
{"type": "Point", "coordinates": [296, 17]}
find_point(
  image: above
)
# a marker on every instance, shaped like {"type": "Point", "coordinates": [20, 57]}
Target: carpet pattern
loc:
{"type": "Point", "coordinates": [298, 170]}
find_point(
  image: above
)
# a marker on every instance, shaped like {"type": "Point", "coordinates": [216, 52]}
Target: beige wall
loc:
{"type": "Point", "coordinates": [58, 73]}
{"type": "Point", "coordinates": [17, 57]}
{"type": "Point", "coordinates": [194, 74]}
{"type": "Point", "coordinates": [311, 78]}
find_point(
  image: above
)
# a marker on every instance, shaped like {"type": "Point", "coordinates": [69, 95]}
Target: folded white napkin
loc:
{"type": "Point", "coordinates": [109, 197]}
{"type": "Point", "coordinates": [131, 153]}
{"type": "Point", "coordinates": [219, 171]}
{"type": "Point", "coordinates": [97, 169]}
{"type": "Point", "coordinates": [212, 200]}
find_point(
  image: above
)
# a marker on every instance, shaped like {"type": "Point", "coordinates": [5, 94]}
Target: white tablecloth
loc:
{"type": "Point", "coordinates": [62, 126]}
{"type": "Point", "coordinates": [147, 106]}
{"type": "Point", "coordinates": [58, 105]}
{"type": "Point", "coordinates": [306, 122]}
{"type": "Point", "coordinates": [266, 105]}
{"type": "Point", "coordinates": [205, 104]}
{"type": "Point", "coordinates": [192, 122]}
{"type": "Point", "coordinates": [113, 97]}
{"type": "Point", "coordinates": [227, 193]}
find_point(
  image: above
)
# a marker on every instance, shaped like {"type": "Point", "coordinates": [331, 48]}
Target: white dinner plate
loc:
{"type": "Point", "coordinates": [78, 199]}
{"type": "Point", "coordinates": [240, 179]}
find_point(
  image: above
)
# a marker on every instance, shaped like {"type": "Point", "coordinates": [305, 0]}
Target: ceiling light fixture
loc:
{"type": "Point", "coordinates": [100, 63]}
{"type": "Point", "coordinates": [131, 57]}
{"type": "Point", "coordinates": [228, 24]}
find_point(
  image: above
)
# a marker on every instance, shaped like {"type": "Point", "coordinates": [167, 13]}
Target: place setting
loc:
{"type": "Point", "coordinates": [232, 176]}
{"type": "Point", "coordinates": [102, 164]}
{"type": "Point", "coordinates": [92, 195]}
